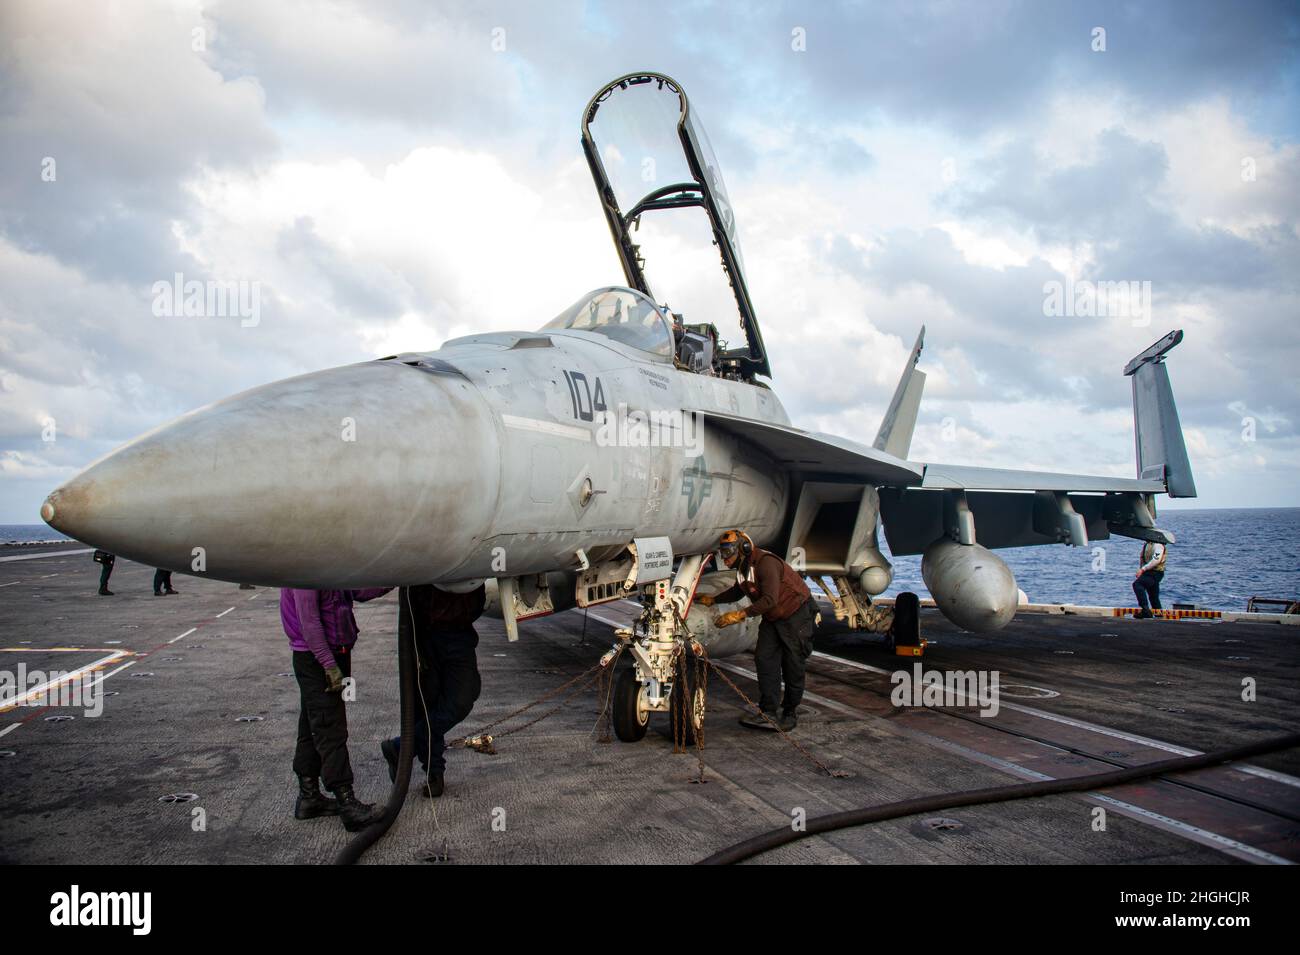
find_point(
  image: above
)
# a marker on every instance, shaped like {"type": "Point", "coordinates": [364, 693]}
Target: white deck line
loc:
{"type": "Point", "coordinates": [48, 553]}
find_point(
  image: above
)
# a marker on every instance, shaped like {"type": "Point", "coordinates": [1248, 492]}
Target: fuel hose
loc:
{"type": "Point", "coordinates": [368, 836]}
{"type": "Point", "coordinates": [979, 797]}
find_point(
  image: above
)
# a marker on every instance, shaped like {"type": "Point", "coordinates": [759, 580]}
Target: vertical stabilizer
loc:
{"type": "Point", "coordinates": [895, 435]}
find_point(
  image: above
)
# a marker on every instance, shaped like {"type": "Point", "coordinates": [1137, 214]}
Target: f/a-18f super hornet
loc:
{"type": "Point", "coordinates": [600, 456]}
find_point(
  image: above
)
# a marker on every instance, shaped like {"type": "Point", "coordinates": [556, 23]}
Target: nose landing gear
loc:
{"type": "Point", "coordinates": [662, 660]}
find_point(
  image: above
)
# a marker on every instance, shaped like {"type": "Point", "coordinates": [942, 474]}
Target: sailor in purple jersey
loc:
{"type": "Point", "coordinates": [322, 631]}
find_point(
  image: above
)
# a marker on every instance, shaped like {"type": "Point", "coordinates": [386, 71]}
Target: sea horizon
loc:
{"type": "Point", "coordinates": [1216, 563]}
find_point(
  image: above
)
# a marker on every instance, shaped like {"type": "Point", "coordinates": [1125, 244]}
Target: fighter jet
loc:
{"type": "Point", "coordinates": [600, 456]}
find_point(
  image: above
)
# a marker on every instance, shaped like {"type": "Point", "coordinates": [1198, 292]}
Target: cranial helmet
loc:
{"type": "Point", "coordinates": [735, 547]}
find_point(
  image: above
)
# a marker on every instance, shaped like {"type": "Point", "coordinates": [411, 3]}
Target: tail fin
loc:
{"type": "Point", "coordinates": [895, 435]}
{"type": "Point", "coordinates": [1161, 453]}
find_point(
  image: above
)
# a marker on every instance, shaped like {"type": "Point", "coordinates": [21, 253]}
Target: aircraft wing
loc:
{"type": "Point", "coordinates": [817, 453]}
{"type": "Point", "coordinates": [827, 454]}
{"type": "Point", "coordinates": [920, 502]}
{"type": "Point", "coordinates": [999, 507]}
{"type": "Point", "coordinates": [961, 477]}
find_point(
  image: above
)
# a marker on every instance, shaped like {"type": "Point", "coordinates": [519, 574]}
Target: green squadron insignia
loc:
{"type": "Point", "coordinates": [697, 484]}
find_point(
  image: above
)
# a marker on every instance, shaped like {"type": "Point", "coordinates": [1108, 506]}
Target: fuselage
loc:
{"type": "Point", "coordinates": [498, 454]}
{"type": "Point", "coordinates": [600, 443]}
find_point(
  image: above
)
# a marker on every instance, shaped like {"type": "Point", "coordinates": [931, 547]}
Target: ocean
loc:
{"type": "Point", "coordinates": [29, 534]}
{"type": "Point", "coordinates": [1221, 558]}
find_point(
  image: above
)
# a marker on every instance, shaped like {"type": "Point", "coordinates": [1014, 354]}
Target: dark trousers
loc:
{"type": "Point", "coordinates": [105, 571]}
{"type": "Point", "coordinates": [162, 580]}
{"type": "Point", "coordinates": [782, 652]}
{"type": "Point", "coordinates": [322, 723]}
{"type": "Point", "coordinates": [449, 684]}
{"type": "Point", "coordinates": [1147, 587]}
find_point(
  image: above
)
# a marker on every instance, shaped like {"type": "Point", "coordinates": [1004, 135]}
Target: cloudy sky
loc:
{"type": "Point", "coordinates": [392, 174]}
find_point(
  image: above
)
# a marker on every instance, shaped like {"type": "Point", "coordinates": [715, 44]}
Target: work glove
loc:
{"type": "Point", "coordinates": [704, 600]}
{"type": "Point", "coordinates": [727, 619]}
{"type": "Point", "coordinates": [333, 680]}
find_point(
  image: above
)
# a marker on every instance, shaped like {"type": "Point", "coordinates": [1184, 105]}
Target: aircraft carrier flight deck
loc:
{"type": "Point", "coordinates": [189, 761]}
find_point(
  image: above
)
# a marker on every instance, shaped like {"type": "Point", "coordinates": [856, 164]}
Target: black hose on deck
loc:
{"type": "Point", "coordinates": [368, 836]}
{"type": "Point", "coordinates": [975, 797]}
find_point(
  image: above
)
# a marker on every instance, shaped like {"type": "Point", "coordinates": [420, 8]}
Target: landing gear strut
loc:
{"type": "Point", "coordinates": [656, 642]}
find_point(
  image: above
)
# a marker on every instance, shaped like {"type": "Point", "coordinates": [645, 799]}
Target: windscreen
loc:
{"type": "Point", "coordinates": [622, 315]}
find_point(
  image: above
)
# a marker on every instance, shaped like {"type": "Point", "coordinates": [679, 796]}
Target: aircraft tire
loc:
{"type": "Point", "coordinates": [629, 724]}
{"type": "Point", "coordinates": [685, 682]}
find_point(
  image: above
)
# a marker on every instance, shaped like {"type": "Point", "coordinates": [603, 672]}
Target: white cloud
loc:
{"type": "Point", "coordinates": [24, 466]}
{"type": "Point", "coordinates": [391, 181]}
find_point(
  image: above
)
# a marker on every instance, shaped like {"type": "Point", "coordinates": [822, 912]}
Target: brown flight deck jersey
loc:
{"type": "Point", "coordinates": [774, 588]}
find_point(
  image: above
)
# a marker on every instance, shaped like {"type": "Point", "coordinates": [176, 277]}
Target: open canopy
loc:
{"type": "Point", "coordinates": [648, 152]}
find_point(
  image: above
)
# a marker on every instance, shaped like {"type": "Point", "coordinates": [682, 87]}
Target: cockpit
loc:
{"type": "Point", "coordinates": [620, 314]}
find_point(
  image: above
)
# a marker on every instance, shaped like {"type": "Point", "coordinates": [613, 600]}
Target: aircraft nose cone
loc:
{"type": "Point", "coordinates": [373, 474]}
{"type": "Point", "coordinates": [68, 508]}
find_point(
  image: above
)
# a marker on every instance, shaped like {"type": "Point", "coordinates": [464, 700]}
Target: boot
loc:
{"type": "Point", "coordinates": [105, 592]}
{"type": "Point", "coordinates": [757, 721]}
{"type": "Point", "coordinates": [311, 801]}
{"type": "Point", "coordinates": [356, 815]}
{"type": "Point", "coordinates": [787, 722]}
{"type": "Point", "coordinates": [171, 593]}
{"type": "Point", "coordinates": [433, 786]}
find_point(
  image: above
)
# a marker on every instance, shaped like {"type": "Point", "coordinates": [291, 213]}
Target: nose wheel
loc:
{"type": "Point", "coordinates": [631, 712]}
{"type": "Point", "coordinates": [687, 721]}
{"type": "Point", "coordinates": [631, 709]}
